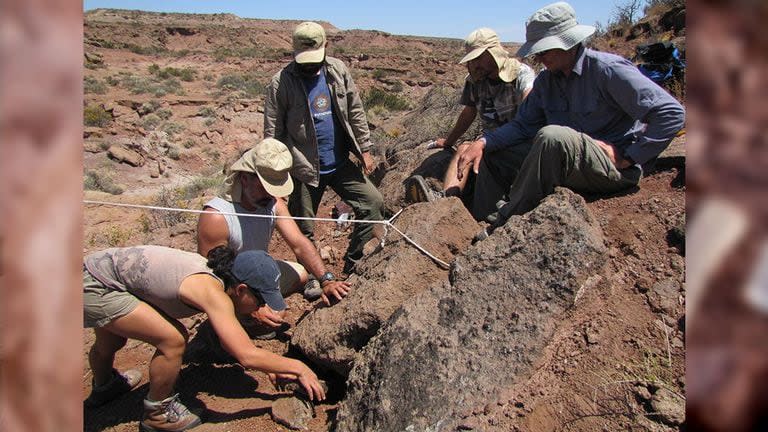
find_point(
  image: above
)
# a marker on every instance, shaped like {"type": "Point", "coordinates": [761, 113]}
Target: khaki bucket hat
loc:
{"type": "Point", "coordinates": [271, 161]}
{"type": "Point", "coordinates": [309, 43]}
{"type": "Point", "coordinates": [485, 39]}
{"type": "Point", "coordinates": [553, 27]}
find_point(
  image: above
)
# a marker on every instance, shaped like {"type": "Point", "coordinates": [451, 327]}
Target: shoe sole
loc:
{"type": "Point", "coordinates": [144, 428]}
{"type": "Point", "coordinates": [416, 190]}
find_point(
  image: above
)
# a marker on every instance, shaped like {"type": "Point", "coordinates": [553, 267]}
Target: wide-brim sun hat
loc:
{"type": "Point", "coordinates": [477, 42]}
{"type": "Point", "coordinates": [553, 27]}
{"type": "Point", "coordinates": [271, 161]}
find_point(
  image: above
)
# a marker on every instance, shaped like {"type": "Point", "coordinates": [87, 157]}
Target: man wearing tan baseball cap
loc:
{"type": "Point", "coordinates": [256, 184]}
{"type": "Point", "coordinates": [495, 87]}
{"type": "Point", "coordinates": [313, 106]}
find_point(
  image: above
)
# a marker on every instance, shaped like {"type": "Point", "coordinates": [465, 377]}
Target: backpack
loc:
{"type": "Point", "coordinates": [660, 61]}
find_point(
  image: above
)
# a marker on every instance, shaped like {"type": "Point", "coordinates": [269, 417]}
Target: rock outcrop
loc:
{"type": "Point", "coordinates": [460, 342]}
{"type": "Point", "coordinates": [331, 337]}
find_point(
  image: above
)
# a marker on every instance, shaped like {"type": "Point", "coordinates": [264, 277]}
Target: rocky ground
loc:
{"type": "Point", "coordinates": [173, 99]}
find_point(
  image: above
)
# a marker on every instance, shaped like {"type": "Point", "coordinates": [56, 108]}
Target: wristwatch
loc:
{"type": "Point", "coordinates": [327, 276]}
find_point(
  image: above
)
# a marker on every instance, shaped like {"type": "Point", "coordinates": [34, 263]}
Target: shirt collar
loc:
{"type": "Point", "coordinates": [579, 65]}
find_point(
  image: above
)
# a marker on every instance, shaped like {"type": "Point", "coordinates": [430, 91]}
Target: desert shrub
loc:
{"type": "Point", "coordinates": [173, 152]}
{"type": "Point", "coordinates": [148, 107]}
{"type": "Point", "coordinates": [153, 85]}
{"type": "Point", "coordinates": [164, 113]}
{"type": "Point", "coordinates": [397, 87]}
{"type": "Point", "coordinates": [144, 50]}
{"type": "Point", "coordinates": [202, 186]}
{"type": "Point", "coordinates": [241, 82]}
{"type": "Point", "coordinates": [94, 85]}
{"type": "Point", "coordinates": [96, 115]}
{"type": "Point", "coordinates": [206, 111]}
{"type": "Point", "coordinates": [111, 80]}
{"type": "Point", "coordinates": [98, 181]}
{"type": "Point", "coordinates": [172, 128]}
{"type": "Point", "coordinates": [189, 143]}
{"type": "Point", "coordinates": [209, 121]}
{"type": "Point", "coordinates": [379, 74]}
{"type": "Point", "coordinates": [150, 121]}
{"type": "Point", "coordinates": [117, 236]}
{"type": "Point", "coordinates": [377, 97]}
{"type": "Point", "coordinates": [166, 218]}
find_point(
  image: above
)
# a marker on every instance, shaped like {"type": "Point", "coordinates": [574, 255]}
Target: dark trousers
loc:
{"type": "Point", "coordinates": [349, 182]}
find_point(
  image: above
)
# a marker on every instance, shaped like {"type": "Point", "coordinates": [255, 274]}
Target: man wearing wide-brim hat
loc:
{"type": "Point", "coordinates": [313, 106]}
{"type": "Point", "coordinates": [495, 87]}
{"type": "Point", "coordinates": [243, 219]}
{"type": "Point", "coordinates": [594, 119]}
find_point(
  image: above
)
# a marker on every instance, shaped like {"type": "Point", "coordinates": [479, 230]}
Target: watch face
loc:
{"type": "Point", "coordinates": [328, 276]}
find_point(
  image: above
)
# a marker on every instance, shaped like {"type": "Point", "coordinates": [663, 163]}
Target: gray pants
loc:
{"type": "Point", "coordinates": [561, 156]}
{"type": "Point", "coordinates": [355, 189]}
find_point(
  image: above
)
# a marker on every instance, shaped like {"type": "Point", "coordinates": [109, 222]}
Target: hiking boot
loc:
{"type": "Point", "coordinates": [121, 383]}
{"type": "Point", "coordinates": [417, 190]}
{"type": "Point", "coordinates": [167, 415]}
{"type": "Point", "coordinates": [312, 289]}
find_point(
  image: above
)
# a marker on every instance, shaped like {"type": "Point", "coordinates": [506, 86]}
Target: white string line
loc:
{"type": "Point", "coordinates": [386, 223]}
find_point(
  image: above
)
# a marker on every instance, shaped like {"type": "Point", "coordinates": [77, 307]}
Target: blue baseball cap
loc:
{"type": "Point", "coordinates": [259, 271]}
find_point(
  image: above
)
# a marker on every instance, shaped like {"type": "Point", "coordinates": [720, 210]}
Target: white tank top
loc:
{"type": "Point", "coordinates": [246, 233]}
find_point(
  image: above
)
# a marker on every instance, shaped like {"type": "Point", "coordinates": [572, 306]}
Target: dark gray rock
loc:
{"type": "Point", "coordinates": [331, 337]}
{"type": "Point", "coordinates": [460, 342]}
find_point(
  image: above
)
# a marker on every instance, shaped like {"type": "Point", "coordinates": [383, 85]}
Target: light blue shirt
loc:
{"type": "Point", "coordinates": [606, 97]}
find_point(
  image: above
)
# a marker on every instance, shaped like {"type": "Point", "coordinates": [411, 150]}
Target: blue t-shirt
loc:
{"type": "Point", "coordinates": [331, 146]}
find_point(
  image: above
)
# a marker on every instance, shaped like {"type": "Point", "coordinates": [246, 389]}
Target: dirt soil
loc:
{"type": "Point", "coordinates": [621, 344]}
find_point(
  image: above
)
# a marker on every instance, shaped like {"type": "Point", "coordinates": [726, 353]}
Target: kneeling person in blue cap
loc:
{"type": "Point", "coordinates": [140, 292]}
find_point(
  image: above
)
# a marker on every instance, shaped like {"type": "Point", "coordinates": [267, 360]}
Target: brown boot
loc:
{"type": "Point", "coordinates": [168, 415]}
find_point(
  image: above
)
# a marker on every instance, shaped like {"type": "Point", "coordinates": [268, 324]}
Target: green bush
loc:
{"type": "Point", "coordinates": [241, 82]}
{"type": "Point", "coordinates": [96, 115]}
{"type": "Point", "coordinates": [94, 85]}
{"type": "Point", "coordinates": [150, 121]}
{"type": "Point", "coordinates": [206, 111]}
{"type": "Point", "coordinates": [172, 128]}
{"type": "Point", "coordinates": [377, 97]}
{"type": "Point", "coordinates": [174, 152]}
{"type": "Point", "coordinates": [95, 180]}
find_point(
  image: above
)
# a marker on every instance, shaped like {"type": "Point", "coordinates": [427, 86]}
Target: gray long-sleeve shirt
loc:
{"type": "Point", "coordinates": [606, 97]}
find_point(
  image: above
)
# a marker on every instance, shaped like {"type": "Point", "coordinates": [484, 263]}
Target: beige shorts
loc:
{"type": "Point", "coordinates": [291, 274]}
{"type": "Point", "coordinates": [101, 305]}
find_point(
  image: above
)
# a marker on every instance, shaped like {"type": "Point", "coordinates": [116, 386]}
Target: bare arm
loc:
{"type": "Point", "coordinates": [306, 253]}
{"type": "Point", "coordinates": [206, 293]}
{"type": "Point", "coordinates": [466, 117]}
{"type": "Point", "coordinates": [212, 231]}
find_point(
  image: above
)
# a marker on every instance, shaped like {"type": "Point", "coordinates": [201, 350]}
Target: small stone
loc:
{"type": "Point", "coordinates": [669, 407]}
{"type": "Point", "coordinates": [292, 412]}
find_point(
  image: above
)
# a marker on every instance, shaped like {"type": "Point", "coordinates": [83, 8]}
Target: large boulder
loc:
{"type": "Point", "coordinates": [331, 337]}
{"type": "Point", "coordinates": [460, 343]}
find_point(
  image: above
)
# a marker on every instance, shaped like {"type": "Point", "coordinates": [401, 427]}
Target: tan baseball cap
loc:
{"type": "Point", "coordinates": [309, 43]}
{"type": "Point", "coordinates": [479, 41]}
{"type": "Point", "coordinates": [271, 161]}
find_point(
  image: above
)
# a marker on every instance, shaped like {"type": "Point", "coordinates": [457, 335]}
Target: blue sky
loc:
{"type": "Point", "coordinates": [446, 18]}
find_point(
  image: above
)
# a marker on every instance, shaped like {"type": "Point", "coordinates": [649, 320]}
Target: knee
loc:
{"type": "Point", "coordinates": [550, 138]}
{"type": "Point", "coordinates": [175, 343]}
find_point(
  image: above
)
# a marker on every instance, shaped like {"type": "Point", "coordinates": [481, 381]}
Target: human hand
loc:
{"type": "Point", "coordinates": [610, 152]}
{"type": "Point", "coordinates": [337, 289]}
{"type": "Point", "coordinates": [470, 157]}
{"type": "Point", "coordinates": [312, 385]}
{"type": "Point", "coordinates": [268, 316]}
{"type": "Point", "coordinates": [368, 162]}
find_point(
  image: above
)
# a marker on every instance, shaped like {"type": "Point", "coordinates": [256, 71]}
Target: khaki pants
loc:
{"type": "Point", "coordinates": [561, 156]}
